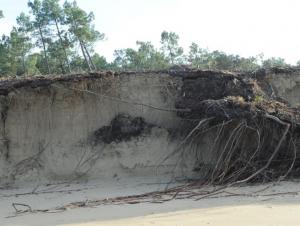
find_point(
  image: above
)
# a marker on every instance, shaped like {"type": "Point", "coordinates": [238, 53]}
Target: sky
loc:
{"type": "Point", "coordinates": [244, 27]}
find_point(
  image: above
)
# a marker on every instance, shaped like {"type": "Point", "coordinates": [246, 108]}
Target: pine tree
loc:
{"type": "Point", "coordinates": [55, 14]}
{"type": "Point", "coordinates": [170, 47]}
{"type": "Point", "coordinates": [40, 27]}
{"type": "Point", "coordinates": [80, 27]}
{"type": "Point", "coordinates": [4, 56]}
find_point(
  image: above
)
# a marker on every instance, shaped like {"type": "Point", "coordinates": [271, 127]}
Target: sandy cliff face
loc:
{"type": "Point", "coordinates": [286, 85]}
{"type": "Point", "coordinates": [46, 131]}
{"type": "Point", "coordinates": [63, 129]}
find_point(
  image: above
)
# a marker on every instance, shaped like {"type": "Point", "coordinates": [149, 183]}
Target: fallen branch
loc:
{"type": "Point", "coordinates": [15, 206]}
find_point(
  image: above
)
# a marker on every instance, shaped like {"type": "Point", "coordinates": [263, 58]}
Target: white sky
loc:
{"type": "Point", "coordinates": [244, 27]}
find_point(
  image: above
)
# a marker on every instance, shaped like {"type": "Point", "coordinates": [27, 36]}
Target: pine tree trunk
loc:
{"type": "Point", "coordinates": [62, 46]}
{"type": "Point", "coordinates": [89, 56]}
{"type": "Point", "coordinates": [62, 67]}
{"type": "Point", "coordinates": [84, 55]}
{"type": "Point", "coordinates": [170, 53]}
{"type": "Point", "coordinates": [24, 64]}
{"type": "Point", "coordinates": [45, 52]}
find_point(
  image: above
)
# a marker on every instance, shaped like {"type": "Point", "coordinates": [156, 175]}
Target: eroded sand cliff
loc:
{"type": "Point", "coordinates": [61, 128]}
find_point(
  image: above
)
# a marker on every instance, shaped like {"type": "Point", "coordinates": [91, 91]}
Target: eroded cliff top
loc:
{"type": "Point", "coordinates": [11, 83]}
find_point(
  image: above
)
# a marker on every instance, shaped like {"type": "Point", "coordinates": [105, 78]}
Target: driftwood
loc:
{"type": "Point", "coordinates": [188, 191]}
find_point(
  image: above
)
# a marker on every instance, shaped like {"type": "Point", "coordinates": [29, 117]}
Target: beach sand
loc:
{"type": "Point", "coordinates": [267, 205]}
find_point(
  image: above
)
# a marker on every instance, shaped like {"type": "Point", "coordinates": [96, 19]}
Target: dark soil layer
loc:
{"type": "Point", "coordinates": [122, 128]}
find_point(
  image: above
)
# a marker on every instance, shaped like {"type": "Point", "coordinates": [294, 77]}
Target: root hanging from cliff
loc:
{"type": "Point", "coordinates": [256, 137]}
{"type": "Point", "coordinates": [258, 148]}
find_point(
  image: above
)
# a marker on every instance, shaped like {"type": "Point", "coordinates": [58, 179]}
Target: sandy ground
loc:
{"type": "Point", "coordinates": [263, 209]}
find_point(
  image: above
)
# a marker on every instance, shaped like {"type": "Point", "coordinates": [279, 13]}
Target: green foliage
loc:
{"type": "Point", "coordinates": [80, 23]}
{"type": "Point", "coordinates": [52, 10]}
{"type": "Point", "coordinates": [54, 32]}
{"type": "Point", "coordinates": [1, 14]}
{"type": "Point", "coordinates": [146, 57]}
{"type": "Point", "coordinates": [170, 47]}
{"type": "Point", "coordinates": [39, 28]}
{"type": "Point", "coordinates": [19, 47]}
{"type": "Point", "coordinates": [82, 30]}
{"type": "Point", "coordinates": [203, 59]}
{"type": "Point", "coordinates": [4, 56]}
{"type": "Point", "coordinates": [32, 63]}
{"type": "Point", "coordinates": [100, 62]}
{"type": "Point", "coordinates": [60, 48]}
{"type": "Point", "coordinates": [274, 62]}
{"type": "Point", "coordinates": [197, 56]}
